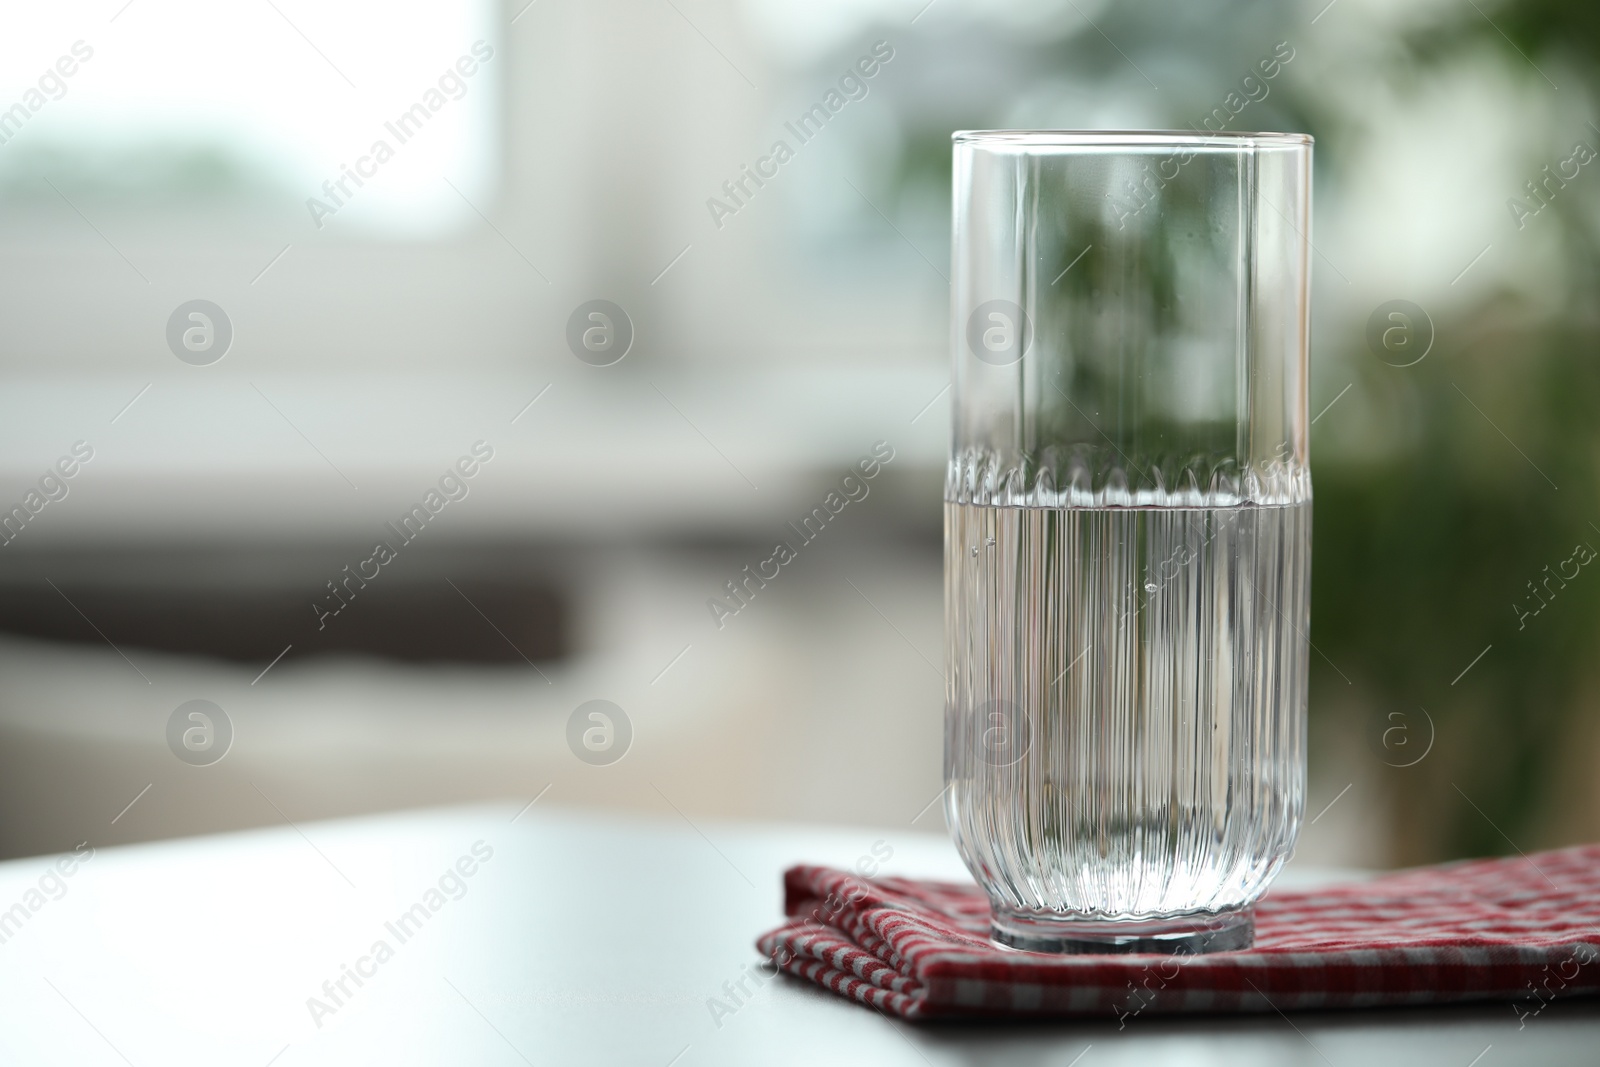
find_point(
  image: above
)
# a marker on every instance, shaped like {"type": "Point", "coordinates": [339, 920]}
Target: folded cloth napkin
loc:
{"type": "Point", "coordinates": [1524, 929]}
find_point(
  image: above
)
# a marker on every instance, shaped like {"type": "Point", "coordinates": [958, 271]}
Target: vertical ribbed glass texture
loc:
{"type": "Point", "coordinates": [1127, 526]}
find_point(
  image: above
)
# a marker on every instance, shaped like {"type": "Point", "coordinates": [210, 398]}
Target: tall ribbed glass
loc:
{"type": "Point", "coordinates": [1128, 531]}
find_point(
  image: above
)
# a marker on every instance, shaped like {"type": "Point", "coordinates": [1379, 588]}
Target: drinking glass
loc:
{"type": "Point", "coordinates": [1127, 531]}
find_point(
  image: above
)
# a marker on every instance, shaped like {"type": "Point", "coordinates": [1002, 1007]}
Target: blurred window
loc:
{"type": "Point", "coordinates": [190, 103]}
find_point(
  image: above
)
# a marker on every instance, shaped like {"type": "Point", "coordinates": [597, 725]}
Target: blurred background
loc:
{"type": "Point", "coordinates": [400, 215]}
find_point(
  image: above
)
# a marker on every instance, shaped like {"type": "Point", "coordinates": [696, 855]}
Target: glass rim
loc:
{"type": "Point", "coordinates": [1129, 139]}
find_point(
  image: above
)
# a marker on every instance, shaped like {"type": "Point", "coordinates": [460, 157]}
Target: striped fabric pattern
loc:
{"type": "Point", "coordinates": [1523, 929]}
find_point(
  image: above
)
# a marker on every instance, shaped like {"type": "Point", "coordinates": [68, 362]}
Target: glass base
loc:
{"type": "Point", "coordinates": [1187, 935]}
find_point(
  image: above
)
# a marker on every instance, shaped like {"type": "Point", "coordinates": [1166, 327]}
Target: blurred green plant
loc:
{"type": "Point", "coordinates": [1441, 551]}
{"type": "Point", "coordinates": [1423, 558]}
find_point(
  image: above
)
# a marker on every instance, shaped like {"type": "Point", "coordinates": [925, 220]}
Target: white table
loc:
{"type": "Point", "coordinates": [581, 939]}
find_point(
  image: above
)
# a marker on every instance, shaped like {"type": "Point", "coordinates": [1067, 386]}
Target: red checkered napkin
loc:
{"type": "Point", "coordinates": [1524, 929]}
